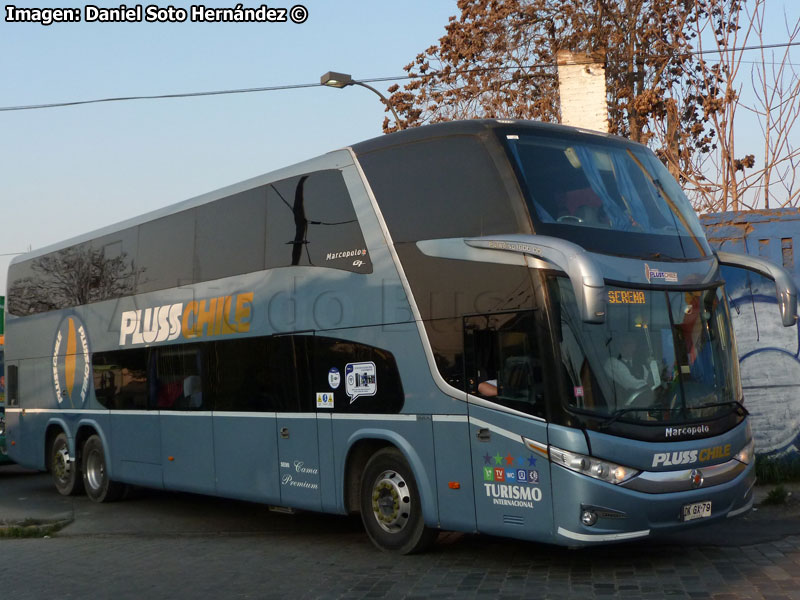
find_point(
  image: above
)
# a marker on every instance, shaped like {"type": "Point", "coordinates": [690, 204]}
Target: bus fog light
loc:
{"type": "Point", "coordinates": [588, 517]}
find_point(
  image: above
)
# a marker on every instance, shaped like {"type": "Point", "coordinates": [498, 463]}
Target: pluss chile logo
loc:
{"type": "Point", "coordinates": [71, 363]}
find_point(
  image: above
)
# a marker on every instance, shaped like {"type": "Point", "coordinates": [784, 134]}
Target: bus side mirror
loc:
{"type": "Point", "coordinates": [583, 272]}
{"type": "Point", "coordinates": [785, 288]}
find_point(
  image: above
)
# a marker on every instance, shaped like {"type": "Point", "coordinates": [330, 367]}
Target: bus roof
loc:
{"type": "Point", "coordinates": [470, 127]}
{"type": "Point", "coordinates": [334, 159]}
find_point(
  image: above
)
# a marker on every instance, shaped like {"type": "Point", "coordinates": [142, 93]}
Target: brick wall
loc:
{"type": "Point", "coordinates": [582, 88]}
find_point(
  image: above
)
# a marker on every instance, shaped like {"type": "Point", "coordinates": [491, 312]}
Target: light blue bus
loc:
{"type": "Point", "coordinates": [484, 326]}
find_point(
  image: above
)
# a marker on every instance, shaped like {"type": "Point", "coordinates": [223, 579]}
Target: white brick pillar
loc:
{"type": "Point", "coordinates": [582, 86]}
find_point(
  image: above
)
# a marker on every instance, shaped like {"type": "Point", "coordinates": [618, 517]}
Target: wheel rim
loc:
{"type": "Point", "coordinates": [391, 501]}
{"type": "Point", "coordinates": [61, 464]}
{"type": "Point", "coordinates": [95, 470]}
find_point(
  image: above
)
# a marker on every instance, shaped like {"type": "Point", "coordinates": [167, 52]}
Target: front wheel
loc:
{"type": "Point", "coordinates": [98, 486]}
{"type": "Point", "coordinates": [64, 468]}
{"type": "Point", "coordinates": [390, 506]}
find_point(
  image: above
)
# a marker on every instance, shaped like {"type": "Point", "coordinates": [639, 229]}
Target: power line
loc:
{"type": "Point", "coordinates": [371, 80]}
{"type": "Point", "coordinates": [162, 96]}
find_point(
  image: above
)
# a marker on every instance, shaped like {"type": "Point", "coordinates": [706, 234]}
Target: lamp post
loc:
{"type": "Point", "coordinates": [342, 80]}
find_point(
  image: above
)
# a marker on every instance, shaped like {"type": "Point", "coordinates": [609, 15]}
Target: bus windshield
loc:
{"type": "Point", "coordinates": [660, 356]}
{"type": "Point", "coordinates": [609, 187]}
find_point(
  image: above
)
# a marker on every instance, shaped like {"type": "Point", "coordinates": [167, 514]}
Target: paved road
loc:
{"type": "Point", "coordinates": [159, 545]}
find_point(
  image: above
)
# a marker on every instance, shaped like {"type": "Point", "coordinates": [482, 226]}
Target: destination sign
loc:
{"type": "Point", "coordinates": [626, 297]}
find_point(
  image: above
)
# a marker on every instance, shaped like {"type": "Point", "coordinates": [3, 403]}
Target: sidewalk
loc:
{"type": "Point", "coordinates": [26, 498]}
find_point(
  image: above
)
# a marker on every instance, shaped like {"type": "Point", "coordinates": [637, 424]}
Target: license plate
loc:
{"type": "Point", "coordinates": [698, 510]}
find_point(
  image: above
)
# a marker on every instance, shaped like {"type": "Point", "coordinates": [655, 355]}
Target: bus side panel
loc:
{"type": "Point", "coordinates": [330, 498]}
{"type": "Point", "coordinates": [26, 438]}
{"type": "Point", "coordinates": [20, 431]}
{"type": "Point", "coordinates": [135, 453]}
{"type": "Point", "coordinates": [298, 453]}
{"type": "Point", "coordinates": [246, 457]}
{"type": "Point", "coordinates": [12, 417]}
{"type": "Point", "coordinates": [456, 502]}
{"type": "Point", "coordinates": [188, 451]}
{"type": "Point", "coordinates": [512, 483]}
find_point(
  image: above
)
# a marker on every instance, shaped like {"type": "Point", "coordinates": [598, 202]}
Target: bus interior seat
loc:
{"type": "Point", "coordinates": [168, 393]}
{"type": "Point", "coordinates": [585, 204]}
{"type": "Point", "coordinates": [193, 391]}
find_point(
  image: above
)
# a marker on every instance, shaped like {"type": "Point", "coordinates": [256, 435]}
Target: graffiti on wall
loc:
{"type": "Point", "coordinates": [769, 354]}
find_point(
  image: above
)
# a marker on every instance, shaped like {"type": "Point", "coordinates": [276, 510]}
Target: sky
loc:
{"type": "Point", "coordinates": [65, 171]}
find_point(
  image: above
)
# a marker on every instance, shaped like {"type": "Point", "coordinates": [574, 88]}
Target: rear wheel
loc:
{"type": "Point", "coordinates": [95, 474]}
{"type": "Point", "coordinates": [390, 506]}
{"type": "Point", "coordinates": [64, 467]}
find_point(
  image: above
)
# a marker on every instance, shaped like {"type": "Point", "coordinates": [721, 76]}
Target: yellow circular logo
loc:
{"type": "Point", "coordinates": [71, 364]}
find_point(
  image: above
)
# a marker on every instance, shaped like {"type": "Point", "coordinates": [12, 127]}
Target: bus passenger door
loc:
{"type": "Point", "coordinates": [511, 473]}
{"type": "Point", "coordinates": [296, 422]}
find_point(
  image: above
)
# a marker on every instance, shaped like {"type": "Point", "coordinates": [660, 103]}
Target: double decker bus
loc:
{"type": "Point", "coordinates": [486, 326]}
{"type": "Point", "coordinates": [3, 452]}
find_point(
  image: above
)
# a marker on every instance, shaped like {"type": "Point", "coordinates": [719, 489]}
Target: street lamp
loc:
{"type": "Point", "coordinates": [342, 80]}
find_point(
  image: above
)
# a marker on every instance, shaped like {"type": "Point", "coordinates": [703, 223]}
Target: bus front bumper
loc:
{"type": "Point", "coordinates": [588, 511]}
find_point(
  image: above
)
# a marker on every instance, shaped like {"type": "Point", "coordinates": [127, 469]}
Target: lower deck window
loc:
{"type": "Point", "coordinates": [291, 373]}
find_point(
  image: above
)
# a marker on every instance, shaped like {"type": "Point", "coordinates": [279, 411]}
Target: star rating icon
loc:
{"type": "Point", "coordinates": [509, 460]}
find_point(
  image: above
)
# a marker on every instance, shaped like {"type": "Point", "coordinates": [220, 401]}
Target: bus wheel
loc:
{"type": "Point", "coordinates": [390, 506]}
{"type": "Point", "coordinates": [98, 486]}
{"type": "Point", "coordinates": [64, 468]}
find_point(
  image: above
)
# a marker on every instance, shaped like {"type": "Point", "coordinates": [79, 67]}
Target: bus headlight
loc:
{"type": "Point", "coordinates": [747, 453]}
{"type": "Point", "coordinates": [593, 467]}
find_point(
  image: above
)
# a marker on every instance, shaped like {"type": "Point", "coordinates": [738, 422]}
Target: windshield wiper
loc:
{"type": "Point", "coordinates": [622, 411]}
{"type": "Point", "coordinates": [740, 409]}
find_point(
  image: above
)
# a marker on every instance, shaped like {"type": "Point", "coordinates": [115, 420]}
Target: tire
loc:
{"type": "Point", "coordinates": [98, 486]}
{"type": "Point", "coordinates": [64, 468]}
{"type": "Point", "coordinates": [390, 505]}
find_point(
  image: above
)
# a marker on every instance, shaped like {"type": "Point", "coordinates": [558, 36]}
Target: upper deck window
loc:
{"type": "Point", "coordinates": [444, 187]}
{"type": "Point", "coordinates": [307, 220]}
{"type": "Point", "coordinates": [312, 222]}
{"type": "Point", "coordinates": [605, 195]}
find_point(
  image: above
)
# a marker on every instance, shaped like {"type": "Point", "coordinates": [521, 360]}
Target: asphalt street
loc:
{"type": "Point", "coordinates": [167, 545]}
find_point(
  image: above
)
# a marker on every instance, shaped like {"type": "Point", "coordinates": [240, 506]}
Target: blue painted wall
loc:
{"type": "Point", "coordinates": [769, 354]}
